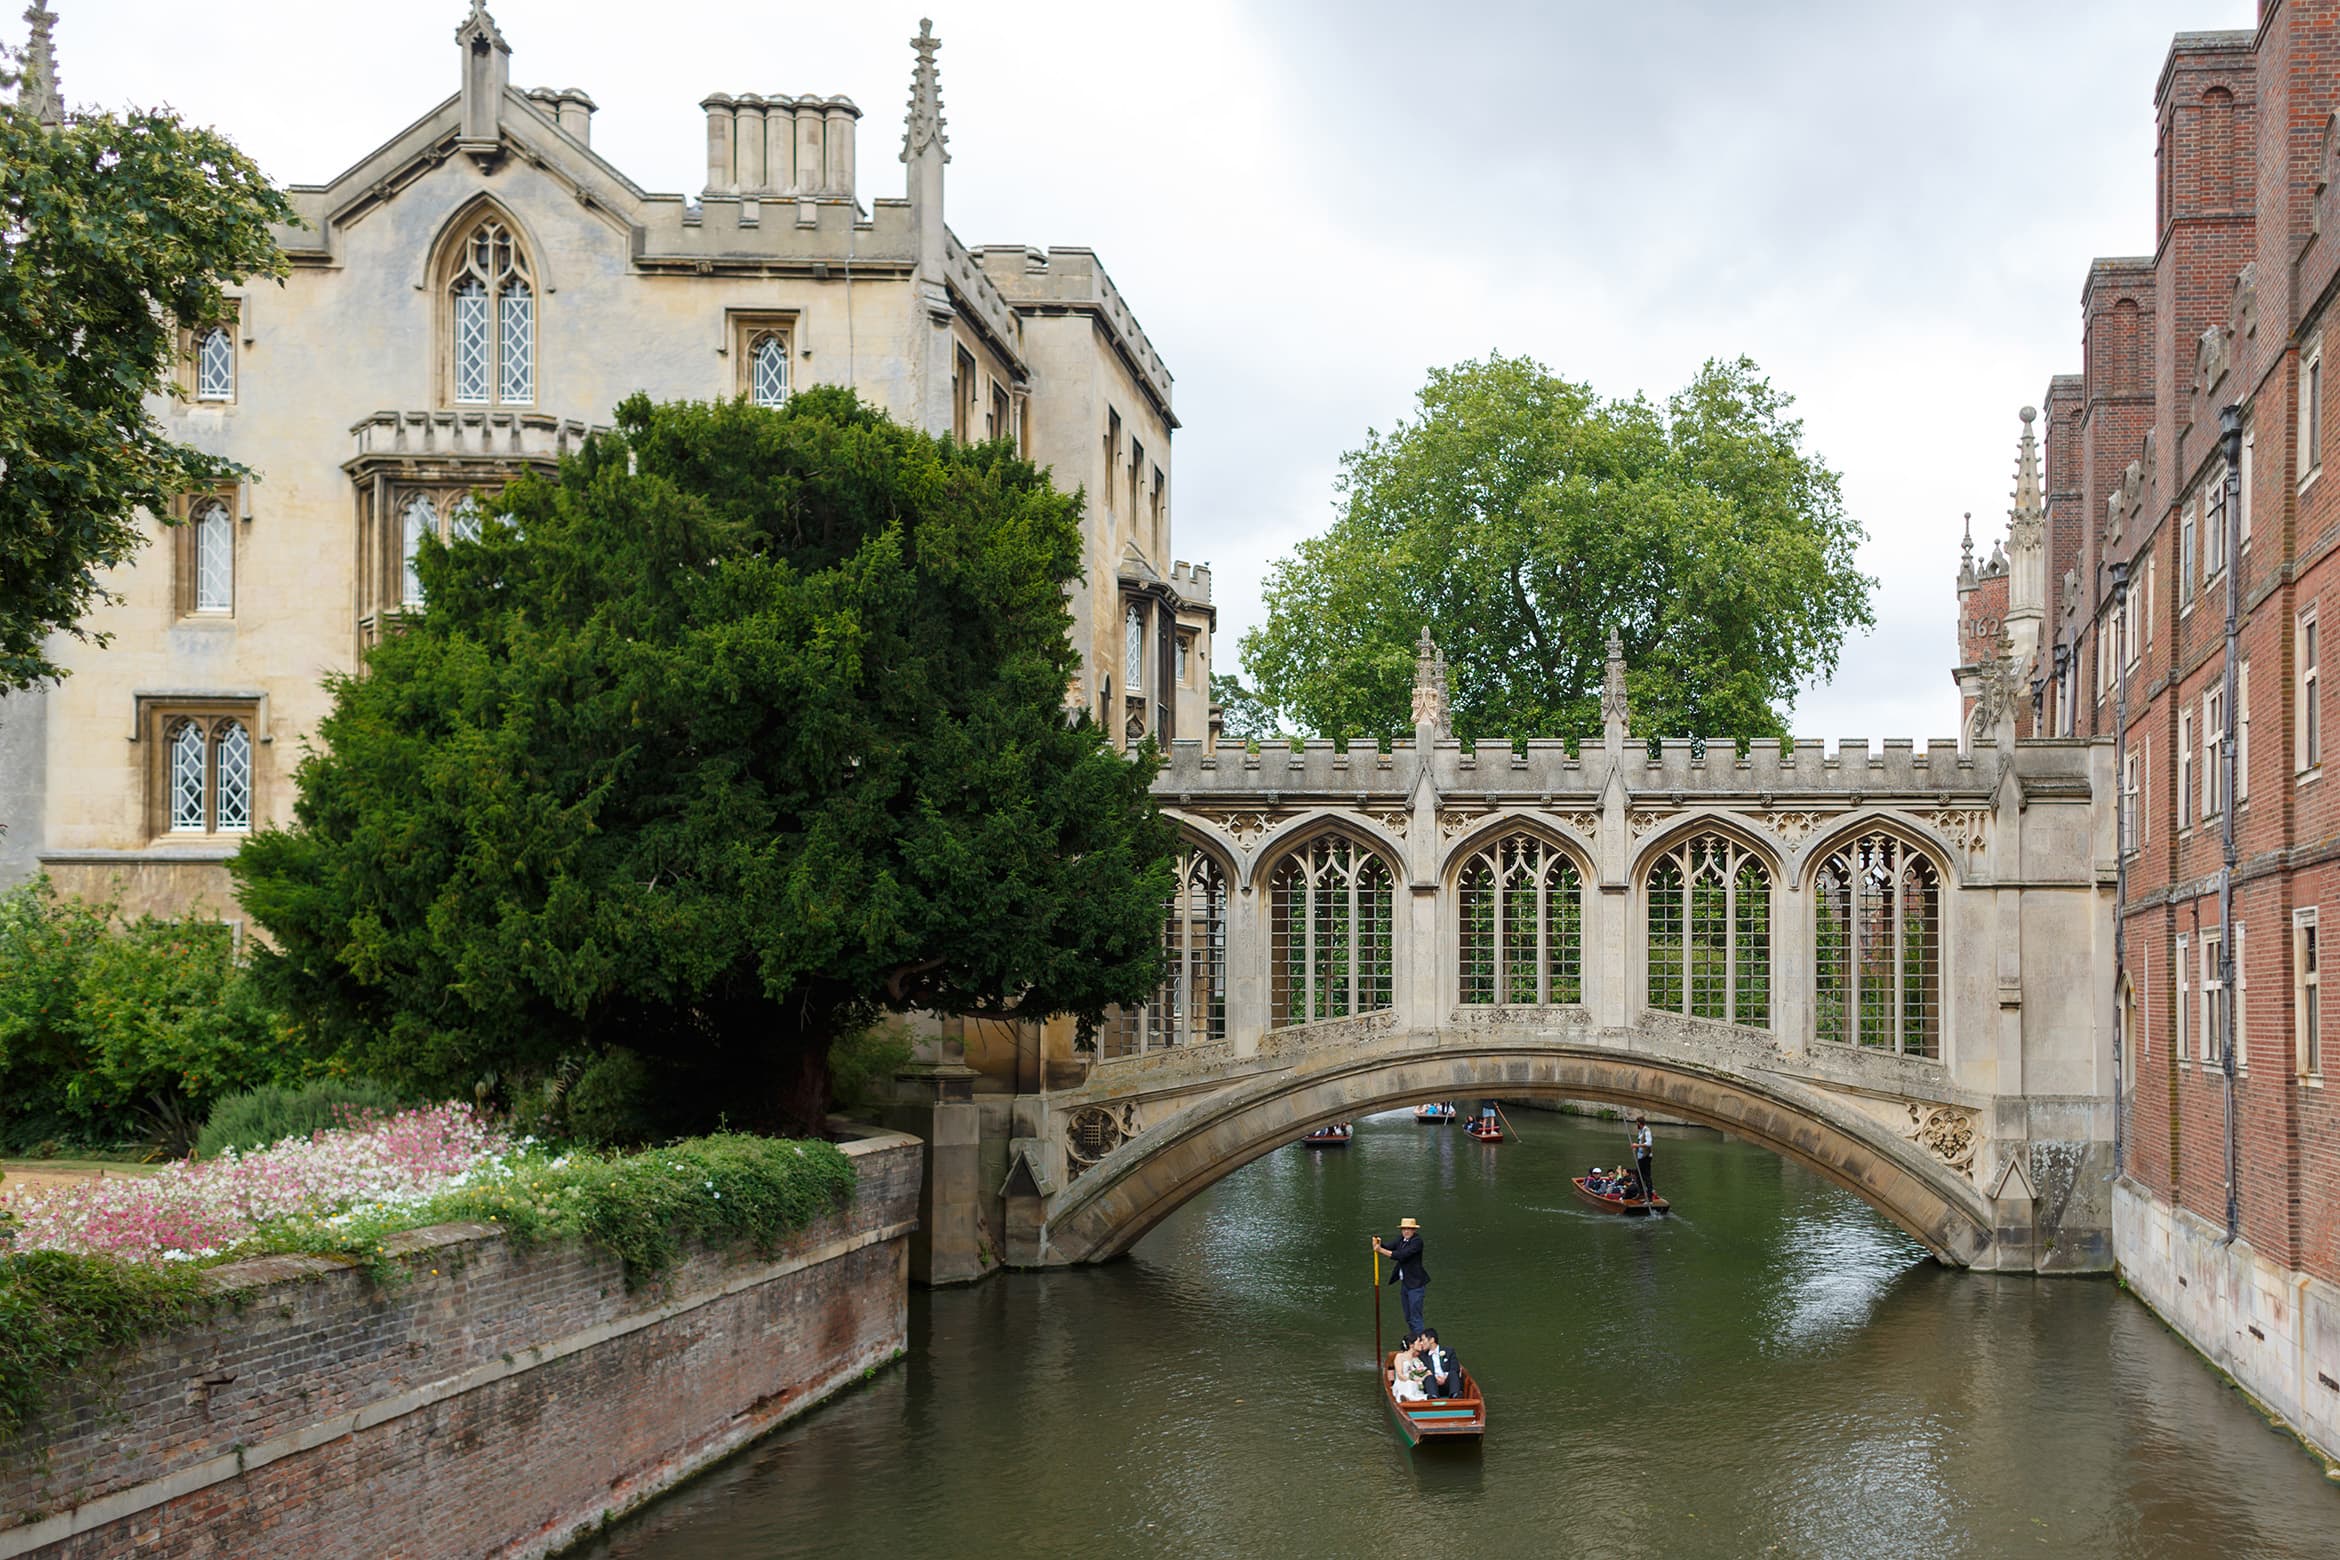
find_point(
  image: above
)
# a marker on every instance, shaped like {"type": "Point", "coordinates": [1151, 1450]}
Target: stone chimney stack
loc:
{"type": "Point", "coordinates": [569, 108]}
{"type": "Point", "coordinates": [747, 143]}
{"type": "Point", "coordinates": [838, 115]}
{"type": "Point", "coordinates": [719, 126]}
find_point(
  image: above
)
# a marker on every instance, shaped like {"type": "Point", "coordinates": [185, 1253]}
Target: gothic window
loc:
{"type": "Point", "coordinates": [1191, 1004]}
{"type": "Point", "coordinates": [1331, 913]}
{"type": "Point", "coordinates": [1877, 948]}
{"type": "Point", "coordinates": [215, 557]}
{"type": "Point", "coordinates": [768, 369]}
{"type": "Point", "coordinates": [208, 778]}
{"type": "Point", "coordinates": [1709, 909]}
{"type": "Point", "coordinates": [1522, 924]}
{"type": "Point", "coordinates": [1133, 648]}
{"type": "Point", "coordinates": [463, 519]}
{"type": "Point", "coordinates": [215, 365]}
{"type": "Point", "coordinates": [417, 520]}
{"type": "Point", "coordinates": [493, 320]}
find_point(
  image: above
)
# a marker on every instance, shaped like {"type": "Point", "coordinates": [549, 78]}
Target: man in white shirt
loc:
{"type": "Point", "coordinates": [1643, 1146]}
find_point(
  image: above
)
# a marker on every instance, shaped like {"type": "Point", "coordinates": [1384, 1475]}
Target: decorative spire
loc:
{"type": "Point", "coordinates": [925, 128]}
{"type": "Point", "coordinates": [1430, 702]}
{"type": "Point", "coordinates": [1613, 706]}
{"type": "Point", "coordinates": [1966, 555]}
{"type": "Point", "coordinates": [2027, 521]}
{"type": "Point", "coordinates": [478, 30]}
{"type": "Point", "coordinates": [37, 93]}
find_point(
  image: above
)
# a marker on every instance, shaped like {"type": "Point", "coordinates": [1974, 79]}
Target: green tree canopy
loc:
{"type": "Point", "coordinates": [1520, 517]}
{"type": "Point", "coordinates": [747, 726]}
{"type": "Point", "coordinates": [114, 232]}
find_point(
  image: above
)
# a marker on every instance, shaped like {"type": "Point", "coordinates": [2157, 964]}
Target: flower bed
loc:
{"type": "Point", "coordinates": [197, 1210]}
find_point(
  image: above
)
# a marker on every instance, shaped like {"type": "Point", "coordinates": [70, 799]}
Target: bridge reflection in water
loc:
{"type": "Point", "coordinates": [1884, 965]}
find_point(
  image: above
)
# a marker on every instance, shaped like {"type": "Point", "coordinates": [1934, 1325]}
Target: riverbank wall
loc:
{"type": "Point", "coordinates": [2274, 1330]}
{"type": "Point", "coordinates": [482, 1399]}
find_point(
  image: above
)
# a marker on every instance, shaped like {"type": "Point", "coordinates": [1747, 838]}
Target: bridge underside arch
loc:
{"type": "Point", "coordinates": [1104, 1213]}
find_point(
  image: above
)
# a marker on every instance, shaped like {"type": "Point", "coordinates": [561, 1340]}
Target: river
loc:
{"type": "Point", "coordinates": [1776, 1370]}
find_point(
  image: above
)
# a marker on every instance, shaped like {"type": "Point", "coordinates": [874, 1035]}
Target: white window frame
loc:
{"type": "Point", "coordinates": [2307, 1002]}
{"type": "Point", "coordinates": [2183, 964]}
{"type": "Point", "coordinates": [2307, 756]}
{"type": "Point", "coordinates": [2242, 734]}
{"type": "Point", "coordinates": [2189, 559]}
{"type": "Point", "coordinates": [215, 388]}
{"type": "Point", "coordinates": [2213, 748]}
{"type": "Point", "coordinates": [2212, 990]}
{"type": "Point", "coordinates": [2185, 770]}
{"type": "Point", "coordinates": [213, 544]}
{"type": "Point", "coordinates": [2249, 452]}
{"type": "Point", "coordinates": [2132, 798]}
{"type": "Point", "coordinates": [2214, 525]}
{"type": "Point", "coordinates": [2311, 413]}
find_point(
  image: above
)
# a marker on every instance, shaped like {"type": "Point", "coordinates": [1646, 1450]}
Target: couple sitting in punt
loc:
{"type": "Point", "coordinates": [1427, 1369]}
{"type": "Point", "coordinates": [1619, 1182]}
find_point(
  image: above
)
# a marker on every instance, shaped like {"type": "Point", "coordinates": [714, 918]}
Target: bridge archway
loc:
{"type": "Point", "coordinates": [1150, 1177]}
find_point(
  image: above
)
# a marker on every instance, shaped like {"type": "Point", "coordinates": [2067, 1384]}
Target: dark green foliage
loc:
{"type": "Point", "coordinates": [746, 727]}
{"type": "Point", "coordinates": [612, 1100]}
{"type": "Point", "coordinates": [59, 1313]}
{"type": "Point", "coordinates": [113, 1033]}
{"type": "Point", "coordinates": [255, 1118]}
{"type": "Point", "coordinates": [862, 1066]}
{"type": "Point", "coordinates": [114, 232]}
{"type": "Point", "coordinates": [1521, 518]}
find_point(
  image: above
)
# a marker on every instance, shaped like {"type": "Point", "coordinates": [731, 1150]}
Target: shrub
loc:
{"type": "Point", "coordinates": [111, 1033]}
{"type": "Point", "coordinates": [273, 1112]}
{"type": "Point", "coordinates": [862, 1066]}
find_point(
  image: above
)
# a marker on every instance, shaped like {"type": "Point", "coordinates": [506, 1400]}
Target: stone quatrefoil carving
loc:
{"type": "Point", "coordinates": [1947, 1132]}
{"type": "Point", "coordinates": [1093, 1131]}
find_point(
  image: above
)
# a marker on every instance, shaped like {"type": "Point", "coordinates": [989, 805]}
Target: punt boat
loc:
{"type": "Point", "coordinates": [1613, 1202]}
{"type": "Point", "coordinates": [1334, 1136]}
{"type": "Point", "coordinates": [1435, 1419]}
{"type": "Point", "coordinates": [1435, 1115]}
{"type": "Point", "coordinates": [1484, 1130]}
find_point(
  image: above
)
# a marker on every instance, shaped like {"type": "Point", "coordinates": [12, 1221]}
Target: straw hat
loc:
{"type": "Point", "coordinates": [1408, 1224]}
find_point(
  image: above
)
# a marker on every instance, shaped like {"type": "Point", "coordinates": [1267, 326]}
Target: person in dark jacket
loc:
{"type": "Point", "coordinates": [1407, 1272]}
{"type": "Point", "coordinates": [1446, 1377]}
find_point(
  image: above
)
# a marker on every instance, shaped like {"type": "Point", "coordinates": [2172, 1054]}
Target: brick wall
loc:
{"type": "Point", "coordinates": [488, 1401]}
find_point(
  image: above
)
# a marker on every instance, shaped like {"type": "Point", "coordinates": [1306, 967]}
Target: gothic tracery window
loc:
{"type": "Point", "coordinates": [1191, 1004]}
{"type": "Point", "coordinates": [215, 365]}
{"type": "Point", "coordinates": [416, 520]}
{"type": "Point", "coordinates": [492, 317]}
{"type": "Point", "coordinates": [209, 776]}
{"type": "Point", "coordinates": [1522, 924]}
{"type": "Point", "coordinates": [1332, 909]}
{"type": "Point", "coordinates": [1877, 948]}
{"type": "Point", "coordinates": [215, 558]}
{"type": "Point", "coordinates": [1709, 932]}
{"type": "Point", "coordinates": [463, 519]}
{"type": "Point", "coordinates": [768, 369]}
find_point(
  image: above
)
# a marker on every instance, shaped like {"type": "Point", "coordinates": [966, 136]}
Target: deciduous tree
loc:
{"type": "Point", "coordinates": [1521, 518]}
{"type": "Point", "coordinates": [746, 726]}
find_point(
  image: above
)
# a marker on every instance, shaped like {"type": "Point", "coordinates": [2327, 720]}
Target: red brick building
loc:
{"type": "Point", "coordinates": [2184, 479]}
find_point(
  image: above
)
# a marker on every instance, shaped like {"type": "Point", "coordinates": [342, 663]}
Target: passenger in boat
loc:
{"type": "Point", "coordinates": [1411, 1378]}
{"type": "Point", "coordinates": [1444, 1374]}
{"type": "Point", "coordinates": [1643, 1149]}
{"type": "Point", "coordinates": [1407, 1272]}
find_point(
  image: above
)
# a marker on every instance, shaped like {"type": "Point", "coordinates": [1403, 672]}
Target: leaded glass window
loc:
{"type": "Point", "coordinates": [768, 369]}
{"type": "Point", "coordinates": [1133, 648]}
{"type": "Point", "coordinates": [215, 558]}
{"type": "Point", "coordinates": [419, 519]}
{"type": "Point", "coordinates": [215, 365]}
{"type": "Point", "coordinates": [1190, 1006]}
{"type": "Point", "coordinates": [463, 518]}
{"type": "Point", "coordinates": [1522, 924]}
{"type": "Point", "coordinates": [493, 319]}
{"type": "Point", "coordinates": [233, 777]}
{"type": "Point", "coordinates": [1877, 948]}
{"type": "Point", "coordinates": [188, 777]}
{"type": "Point", "coordinates": [1332, 915]}
{"type": "Point", "coordinates": [1709, 932]}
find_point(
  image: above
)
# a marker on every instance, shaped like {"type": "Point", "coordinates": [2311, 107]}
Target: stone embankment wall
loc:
{"type": "Point", "coordinates": [2276, 1331]}
{"type": "Point", "coordinates": [489, 1400]}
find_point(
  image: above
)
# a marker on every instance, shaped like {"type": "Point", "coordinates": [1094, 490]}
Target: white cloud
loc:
{"type": "Point", "coordinates": [1889, 206]}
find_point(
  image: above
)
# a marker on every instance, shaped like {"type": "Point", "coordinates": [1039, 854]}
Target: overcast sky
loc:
{"type": "Point", "coordinates": [1889, 205]}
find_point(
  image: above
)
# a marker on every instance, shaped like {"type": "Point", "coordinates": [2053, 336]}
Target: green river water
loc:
{"type": "Point", "coordinates": [1776, 1370]}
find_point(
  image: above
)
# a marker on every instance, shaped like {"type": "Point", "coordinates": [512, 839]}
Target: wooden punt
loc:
{"type": "Point", "coordinates": [1630, 1207]}
{"type": "Point", "coordinates": [1435, 1115]}
{"type": "Point", "coordinates": [1435, 1419]}
{"type": "Point", "coordinates": [1334, 1136]}
{"type": "Point", "coordinates": [1485, 1131]}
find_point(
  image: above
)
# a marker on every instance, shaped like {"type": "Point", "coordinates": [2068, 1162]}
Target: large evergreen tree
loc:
{"type": "Point", "coordinates": [1520, 517]}
{"type": "Point", "coordinates": [746, 726]}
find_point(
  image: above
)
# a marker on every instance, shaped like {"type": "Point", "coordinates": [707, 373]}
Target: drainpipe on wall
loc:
{"type": "Point", "coordinates": [2230, 447]}
{"type": "Point", "coordinates": [2119, 570]}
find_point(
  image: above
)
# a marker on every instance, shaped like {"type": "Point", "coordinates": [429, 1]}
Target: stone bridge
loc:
{"type": "Point", "coordinates": [1877, 963]}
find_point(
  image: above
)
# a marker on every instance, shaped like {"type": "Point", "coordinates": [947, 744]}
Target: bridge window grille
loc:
{"type": "Point", "coordinates": [1191, 1005]}
{"type": "Point", "coordinates": [1709, 909]}
{"type": "Point", "coordinates": [1333, 910]}
{"type": "Point", "coordinates": [1877, 948]}
{"type": "Point", "coordinates": [1522, 932]}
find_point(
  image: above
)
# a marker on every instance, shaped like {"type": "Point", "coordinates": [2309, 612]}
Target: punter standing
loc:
{"type": "Point", "coordinates": [1643, 1148]}
{"type": "Point", "coordinates": [1407, 1273]}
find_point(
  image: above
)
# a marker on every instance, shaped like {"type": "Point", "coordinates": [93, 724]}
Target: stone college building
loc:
{"type": "Point", "coordinates": [465, 303]}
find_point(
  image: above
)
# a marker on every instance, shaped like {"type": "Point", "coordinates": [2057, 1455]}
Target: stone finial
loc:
{"type": "Point", "coordinates": [1966, 555]}
{"type": "Point", "coordinates": [925, 126]}
{"type": "Point", "coordinates": [1431, 708]}
{"type": "Point", "coordinates": [2027, 520]}
{"type": "Point", "coordinates": [1616, 713]}
{"type": "Point", "coordinates": [37, 93]}
{"type": "Point", "coordinates": [487, 67]}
